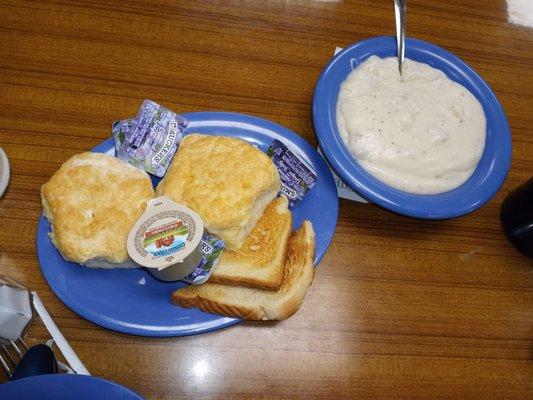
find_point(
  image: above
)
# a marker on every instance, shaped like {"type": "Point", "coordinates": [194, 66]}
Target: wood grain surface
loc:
{"type": "Point", "coordinates": [400, 308]}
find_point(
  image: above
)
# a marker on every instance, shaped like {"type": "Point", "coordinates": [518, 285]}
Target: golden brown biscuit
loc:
{"type": "Point", "coordinates": [227, 181]}
{"type": "Point", "coordinates": [92, 202]}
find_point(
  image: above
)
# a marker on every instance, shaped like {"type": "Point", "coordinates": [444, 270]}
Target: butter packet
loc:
{"type": "Point", "coordinates": [169, 240]}
{"type": "Point", "coordinates": [297, 176]}
{"type": "Point", "coordinates": [149, 140]}
{"type": "Point", "coordinates": [211, 247]}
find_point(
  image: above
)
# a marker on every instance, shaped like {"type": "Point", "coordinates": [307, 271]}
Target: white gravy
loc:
{"type": "Point", "coordinates": [420, 133]}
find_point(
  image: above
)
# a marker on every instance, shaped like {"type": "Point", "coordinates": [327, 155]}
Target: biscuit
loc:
{"type": "Point", "coordinates": [92, 202]}
{"type": "Point", "coordinates": [227, 181]}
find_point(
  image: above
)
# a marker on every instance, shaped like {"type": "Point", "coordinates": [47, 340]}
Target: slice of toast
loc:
{"type": "Point", "coordinates": [259, 262]}
{"type": "Point", "coordinates": [258, 304]}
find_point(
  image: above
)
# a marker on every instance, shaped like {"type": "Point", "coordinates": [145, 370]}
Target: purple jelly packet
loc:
{"type": "Point", "coordinates": [297, 176]}
{"type": "Point", "coordinates": [149, 140]}
{"type": "Point", "coordinates": [120, 130]}
{"type": "Point", "coordinates": [211, 247]}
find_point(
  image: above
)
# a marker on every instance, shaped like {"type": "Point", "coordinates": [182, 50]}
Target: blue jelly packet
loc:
{"type": "Point", "coordinates": [211, 247]}
{"type": "Point", "coordinates": [297, 176]}
{"type": "Point", "coordinates": [149, 140]}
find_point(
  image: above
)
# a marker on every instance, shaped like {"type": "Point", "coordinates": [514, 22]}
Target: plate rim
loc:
{"type": "Point", "coordinates": [75, 377]}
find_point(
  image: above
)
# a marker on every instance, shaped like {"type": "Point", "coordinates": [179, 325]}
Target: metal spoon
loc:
{"type": "Point", "coordinates": [399, 14]}
{"type": "Point", "coordinates": [38, 360]}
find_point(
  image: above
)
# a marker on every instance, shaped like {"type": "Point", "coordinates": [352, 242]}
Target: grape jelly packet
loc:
{"type": "Point", "coordinates": [211, 247]}
{"type": "Point", "coordinates": [297, 177]}
{"type": "Point", "coordinates": [149, 140]}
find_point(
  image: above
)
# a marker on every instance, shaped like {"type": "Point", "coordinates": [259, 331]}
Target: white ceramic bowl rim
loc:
{"type": "Point", "coordinates": [4, 171]}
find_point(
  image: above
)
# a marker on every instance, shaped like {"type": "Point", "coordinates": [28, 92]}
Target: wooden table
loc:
{"type": "Point", "coordinates": [400, 308]}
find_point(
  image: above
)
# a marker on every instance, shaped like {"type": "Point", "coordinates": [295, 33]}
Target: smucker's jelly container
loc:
{"type": "Point", "coordinates": [166, 240]}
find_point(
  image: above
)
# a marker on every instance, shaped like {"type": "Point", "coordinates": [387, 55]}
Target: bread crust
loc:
{"type": "Point", "coordinates": [214, 307]}
{"type": "Point", "coordinates": [227, 181]}
{"type": "Point", "coordinates": [92, 202]}
{"type": "Point", "coordinates": [255, 304]}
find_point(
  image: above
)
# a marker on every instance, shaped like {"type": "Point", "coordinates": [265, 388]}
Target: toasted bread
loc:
{"type": "Point", "coordinates": [260, 261]}
{"type": "Point", "coordinates": [227, 181]}
{"type": "Point", "coordinates": [257, 304]}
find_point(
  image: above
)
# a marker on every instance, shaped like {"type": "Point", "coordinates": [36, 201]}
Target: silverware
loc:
{"type": "Point", "coordinates": [12, 351]}
{"type": "Point", "coordinates": [74, 363]}
{"type": "Point", "coordinates": [10, 355]}
{"type": "Point", "coordinates": [399, 14]}
{"type": "Point", "coordinates": [38, 360]}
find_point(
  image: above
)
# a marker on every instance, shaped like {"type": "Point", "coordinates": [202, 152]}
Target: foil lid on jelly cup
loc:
{"type": "Point", "coordinates": [166, 234]}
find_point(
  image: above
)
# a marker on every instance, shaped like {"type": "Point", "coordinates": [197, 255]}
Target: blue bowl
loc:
{"type": "Point", "coordinates": [490, 172]}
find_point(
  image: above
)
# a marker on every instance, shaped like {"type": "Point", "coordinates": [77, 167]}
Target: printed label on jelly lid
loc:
{"type": "Point", "coordinates": [166, 234]}
{"type": "Point", "coordinates": [149, 140]}
{"type": "Point", "coordinates": [297, 177]}
{"type": "Point", "coordinates": [211, 247]}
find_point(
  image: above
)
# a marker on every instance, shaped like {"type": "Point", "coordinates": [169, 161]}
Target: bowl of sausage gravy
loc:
{"type": "Point", "coordinates": [432, 142]}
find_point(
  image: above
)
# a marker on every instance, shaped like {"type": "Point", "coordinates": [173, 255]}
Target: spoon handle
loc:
{"type": "Point", "coordinates": [399, 14]}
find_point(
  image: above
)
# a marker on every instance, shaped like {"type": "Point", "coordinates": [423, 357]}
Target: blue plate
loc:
{"type": "Point", "coordinates": [131, 300]}
{"type": "Point", "coordinates": [490, 172]}
{"type": "Point", "coordinates": [65, 387]}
